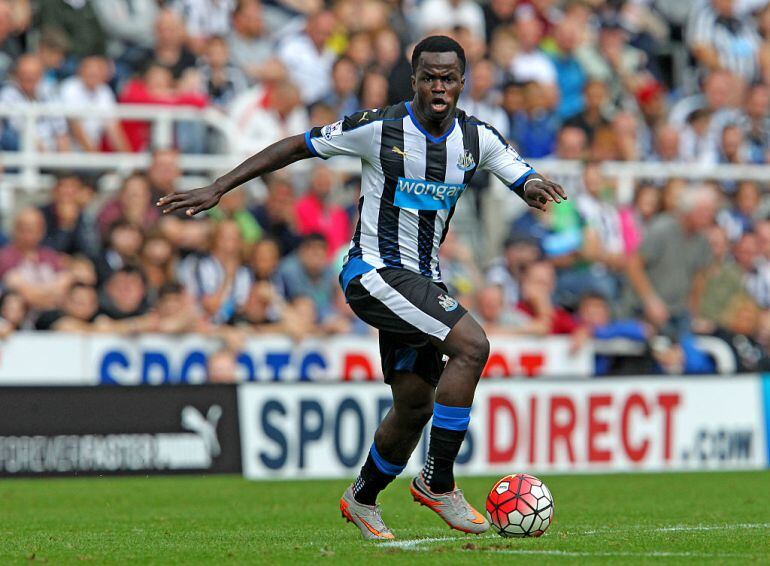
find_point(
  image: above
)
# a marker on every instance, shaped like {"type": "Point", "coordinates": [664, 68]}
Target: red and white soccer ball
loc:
{"type": "Point", "coordinates": [520, 506]}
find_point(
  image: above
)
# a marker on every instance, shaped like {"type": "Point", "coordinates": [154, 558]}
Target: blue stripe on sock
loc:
{"type": "Point", "coordinates": [451, 418]}
{"type": "Point", "coordinates": [383, 465]}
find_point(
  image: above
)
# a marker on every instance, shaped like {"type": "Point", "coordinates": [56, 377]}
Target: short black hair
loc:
{"type": "Point", "coordinates": [313, 238]}
{"type": "Point", "coordinates": [438, 44]}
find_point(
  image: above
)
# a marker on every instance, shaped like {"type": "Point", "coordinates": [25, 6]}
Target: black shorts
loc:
{"type": "Point", "coordinates": [407, 308]}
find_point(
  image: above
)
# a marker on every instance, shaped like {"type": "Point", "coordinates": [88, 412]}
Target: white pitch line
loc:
{"type": "Point", "coordinates": [678, 528]}
{"type": "Point", "coordinates": [412, 543]}
{"type": "Point", "coordinates": [570, 553]}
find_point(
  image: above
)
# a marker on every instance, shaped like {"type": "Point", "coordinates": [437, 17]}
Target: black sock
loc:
{"type": "Point", "coordinates": [444, 447]}
{"type": "Point", "coordinates": [370, 482]}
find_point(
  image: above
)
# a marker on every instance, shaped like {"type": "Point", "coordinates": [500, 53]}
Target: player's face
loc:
{"type": "Point", "coordinates": [438, 83]}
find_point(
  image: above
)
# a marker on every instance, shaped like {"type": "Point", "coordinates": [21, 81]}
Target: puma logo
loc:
{"type": "Point", "coordinates": [399, 151]}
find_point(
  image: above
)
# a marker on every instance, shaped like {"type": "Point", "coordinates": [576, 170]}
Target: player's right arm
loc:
{"type": "Point", "coordinates": [351, 136]}
{"type": "Point", "coordinates": [276, 156]}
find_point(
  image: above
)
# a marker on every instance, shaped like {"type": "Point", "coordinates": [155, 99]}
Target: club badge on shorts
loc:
{"type": "Point", "coordinates": [447, 303]}
{"type": "Point", "coordinates": [466, 162]}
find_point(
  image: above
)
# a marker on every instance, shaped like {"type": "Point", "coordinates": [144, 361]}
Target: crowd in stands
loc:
{"type": "Point", "coordinates": [589, 80]}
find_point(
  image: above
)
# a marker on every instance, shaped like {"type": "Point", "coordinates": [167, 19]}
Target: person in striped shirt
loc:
{"type": "Point", "coordinates": [417, 159]}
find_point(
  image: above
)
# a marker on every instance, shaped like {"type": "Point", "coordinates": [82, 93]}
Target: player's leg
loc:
{"type": "Point", "coordinates": [467, 347]}
{"type": "Point", "coordinates": [396, 437]}
{"type": "Point", "coordinates": [394, 441]}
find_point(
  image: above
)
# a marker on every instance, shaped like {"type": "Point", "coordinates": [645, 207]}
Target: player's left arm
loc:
{"type": "Point", "coordinates": [500, 158]}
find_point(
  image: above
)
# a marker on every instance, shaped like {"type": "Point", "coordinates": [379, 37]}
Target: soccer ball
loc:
{"type": "Point", "coordinates": [520, 506]}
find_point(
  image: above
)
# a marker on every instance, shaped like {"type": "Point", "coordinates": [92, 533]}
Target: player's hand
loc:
{"type": "Point", "coordinates": [193, 202]}
{"type": "Point", "coordinates": [539, 192]}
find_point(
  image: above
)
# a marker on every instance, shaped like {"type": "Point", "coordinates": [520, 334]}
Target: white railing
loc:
{"type": "Point", "coordinates": [29, 160]}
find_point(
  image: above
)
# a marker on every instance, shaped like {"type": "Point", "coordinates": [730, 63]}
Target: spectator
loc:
{"type": "Point", "coordinates": [132, 204]}
{"type": "Point", "coordinates": [13, 313]}
{"type": "Point", "coordinates": [498, 14]}
{"type": "Point", "coordinates": [739, 328]}
{"type": "Point", "coordinates": [264, 116]}
{"type": "Point", "coordinates": [307, 273]}
{"type": "Point", "coordinates": [250, 46]}
{"type": "Point", "coordinates": [667, 272]}
{"type": "Point", "coordinates": [721, 39]}
{"type": "Point", "coordinates": [535, 130]}
{"type": "Point", "coordinates": [223, 80]}
{"type": "Point", "coordinates": [77, 313]}
{"type": "Point", "coordinates": [122, 245]}
{"type": "Point", "coordinates": [79, 23]}
{"type": "Point", "coordinates": [66, 229]}
{"type": "Point", "coordinates": [128, 25]}
{"type": "Point", "coordinates": [345, 85]}
{"type": "Point", "coordinates": [233, 207]}
{"type": "Point", "coordinates": [666, 144]}
{"type": "Point", "coordinates": [720, 90]}
{"type": "Point", "coordinates": [264, 261]}
{"type": "Point", "coordinates": [123, 298]}
{"type": "Point", "coordinates": [26, 88]}
{"type": "Point", "coordinates": [530, 64]}
{"type": "Point", "coordinates": [458, 268]}
{"type": "Point", "coordinates": [536, 313]}
{"type": "Point", "coordinates": [696, 144]}
{"type": "Point", "coordinates": [308, 59]}
{"type": "Point", "coordinates": [741, 216]}
{"type": "Point", "coordinates": [636, 218]}
{"type": "Point", "coordinates": [436, 15]}
{"type": "Point", "coordinates": [594, 314]}
{"type": "Point", "coordinates": [520, 251]}
{"type": "Point", "coordinates": [393, 63]}
{"type": "Point", "coordinates": [374, 90]}
{"type": "Point", "coordinates": [756, 272]}
{"type": "Point", "coordinates": [570, 76]}
{"type": "Point", "coordinates": [221, 367]}
{"type": "Point", "coordinates": [755, 123]}
{"type": "Point", "coordinates": [175, 312]}
{"type": "Point", "coordinates": [616, 63]}
{"type": "Point", "coordinates": [219, 280]}
{"type": "Point", "coordinates": [52, 49]}
{"type": "Point", "coordinates": [491, 312]}
{"type": "Point", "coordinates": [169, 50]}
{"type": "Point", "coordinates": [10, 47]}
{"type": "Point", "coordinates": [276, 213]}
{"type": "Point", "coordinates": [595, 115]}
{"type": "Point", "coordinates": [571, 144]}
{"type": "Point", "coordinates": [723, 280]}
{"type": "Point", "coordinates": [317, 213]}
{"type": "Point", "coordinates": [27, 267]}
{"type": "Point", "coordinates": [158, 261]}
{"type": "Point", "coordinates": [163, 173]}
{"type": "Point", "coordinates": [204, 19]}
{"type": "Point", "coordinates": [480, 97]}
{"type": "Point", "coordinates": [89, 90]}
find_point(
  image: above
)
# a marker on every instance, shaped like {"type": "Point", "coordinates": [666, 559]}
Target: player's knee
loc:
{"type": "Point", "coordinates": [476, 350]}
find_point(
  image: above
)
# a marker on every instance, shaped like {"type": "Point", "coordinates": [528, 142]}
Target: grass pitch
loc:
{"type": "Point", "coordinates": [661, 518]}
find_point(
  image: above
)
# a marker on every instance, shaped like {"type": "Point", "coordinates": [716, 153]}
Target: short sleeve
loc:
{"type": "Point", "coordinates": [352, 136]}
{"type": "Point", "coordinates": [500, 158]}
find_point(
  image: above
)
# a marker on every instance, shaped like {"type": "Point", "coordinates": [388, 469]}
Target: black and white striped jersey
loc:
{"type": "Point", "coordinates": [735, 39]}
{"type": "Point", "coordinates": [411, 182]}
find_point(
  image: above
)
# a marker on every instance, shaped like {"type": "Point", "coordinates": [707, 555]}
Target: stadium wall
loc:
{"type": "Point", "coordinates": [311, 430]}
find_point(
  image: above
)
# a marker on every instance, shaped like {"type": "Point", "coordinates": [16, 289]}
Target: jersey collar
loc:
{"type": "Point", "coordinates": [417, 124]}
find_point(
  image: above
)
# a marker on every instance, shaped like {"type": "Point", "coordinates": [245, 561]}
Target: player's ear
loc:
{"type": "Point", "coordinates": [414, 83]}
